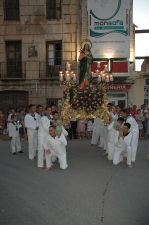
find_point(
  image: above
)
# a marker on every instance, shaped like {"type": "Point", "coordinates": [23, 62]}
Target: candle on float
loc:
{"type": "Point", "coordinates": [61, 77]}
{"type": "Point", "coordinates": [111, 78]}
{"type": "Point", "coordinates": [71, 74]}
{"type": "Point", "coordinates": [99, 78]}
{"type": "Point", "coordinates": [103, 77]}
{"type": "Point", "coordinates": [74, 77]}
{"type": "Point", "coordinates": [67, 77]}
{"type": "Point", "coordinates": [92, 74]}
{"type": "Point", "coordinates": [107, 79]}
{"type": "Point", "coordinates": [97, 72]}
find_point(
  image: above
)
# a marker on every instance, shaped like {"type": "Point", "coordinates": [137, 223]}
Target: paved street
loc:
{"type": "Point", "coordinates": [90, 192]}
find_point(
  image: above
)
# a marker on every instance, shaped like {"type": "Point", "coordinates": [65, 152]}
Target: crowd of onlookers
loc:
{"type": "Point", "coordinates": [77, 129]}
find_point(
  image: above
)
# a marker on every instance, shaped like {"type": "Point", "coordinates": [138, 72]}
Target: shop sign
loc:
{"type": "Point", "coordinates": [121, 87]}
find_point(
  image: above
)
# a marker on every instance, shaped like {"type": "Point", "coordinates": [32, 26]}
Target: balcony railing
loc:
{"type": "Point", "coordinates": [49, 70]}
{"type": "Point", "coordinates": [13, 70]}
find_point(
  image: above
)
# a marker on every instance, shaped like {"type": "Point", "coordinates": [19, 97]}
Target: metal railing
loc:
{"type": "Point", "coordinates": [49, 70]}
{"type": "Point", "coordinates": [12, 70]}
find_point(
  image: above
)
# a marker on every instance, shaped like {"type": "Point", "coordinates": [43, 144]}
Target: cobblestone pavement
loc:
{"type": "Point", "coordinates": [90, 192]}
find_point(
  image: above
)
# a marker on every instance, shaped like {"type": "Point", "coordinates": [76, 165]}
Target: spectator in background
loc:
{"type": "Point", "coordinates": [21, 120]}
{"type": "Point", "coordinates": [118, 109]}
{"type": "Point", "coordinates": [147, 119]}
{"type": "Point", "coordinates": [109, 106]}
{"type": "Point", "coordinates": [134, 111]}
{"type": "Point", "coordinates": [53, 107]}
{"type": "Point", "coordinates": [139, 118]}
{"type": "Point", "coordinates": [39, 112]}
{"type": "Point", "coordinates": [144, 111]}
{"type": "Point", "coordinates": [2, 123]}
{"type": "Point", "coordinates": [7, 123]}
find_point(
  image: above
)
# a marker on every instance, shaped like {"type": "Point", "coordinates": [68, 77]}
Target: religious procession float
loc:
{"type": "Point", "coordinates": [85, 98]}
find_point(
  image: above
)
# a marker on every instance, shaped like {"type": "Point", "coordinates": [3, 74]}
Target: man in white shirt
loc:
{"type": "Point", "coordinates": [39, 112]}
{"type": "Point", "coordinates": [43, 131]}
{"type": "Point", "coordinates": [123, 145]}
{"type": "Point", "coordinates": [32, 125]}
{"type": "Point", "coordinates": [134, 129]}
{"type": "Point", "coordinates": [55, 145]}
{"type": "Point", "coordinates": [112, 128]}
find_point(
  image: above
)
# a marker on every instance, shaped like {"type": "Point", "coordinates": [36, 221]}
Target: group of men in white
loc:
{"type": "Point", "coordinates": [119, 139]}
{"type": "Point", "coordinates": [45, 133]}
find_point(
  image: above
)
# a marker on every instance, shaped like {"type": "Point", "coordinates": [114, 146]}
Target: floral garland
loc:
{"type": "Point", "coordinates": [88, 99]}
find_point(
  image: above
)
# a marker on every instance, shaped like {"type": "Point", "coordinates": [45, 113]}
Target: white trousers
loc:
{"type": "Point", "coordinates": [118, 155]}
{"type": "Point", "coordinates": [61, 157]}
{"type": "Point", "coordinates": [41, 152]}
{"type": "Point", "coordinates": [95, 135]}
{"type": "Point", "coordinates": [110, 150]}
{"type": "Point", "coordinates": [32, 144]}
{"type": "Point", "coordinates": [15, 144]}
{"type": "Point", "coordinates": [134, 145]}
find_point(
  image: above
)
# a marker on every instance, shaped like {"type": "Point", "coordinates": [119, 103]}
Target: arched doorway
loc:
{"type": "Point", "coordinates": [13, 99]}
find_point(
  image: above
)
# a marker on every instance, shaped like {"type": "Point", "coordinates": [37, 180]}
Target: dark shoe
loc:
{"type": "Point", "coordinates": [75, 138]}
{"type": "Point", "coordinates": [20, 151]}
{"type": "Point", "coordinates": [14, 153]}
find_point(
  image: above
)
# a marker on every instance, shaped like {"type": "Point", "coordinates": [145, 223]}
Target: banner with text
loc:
{"type": "Point", "coordinates": [109, 28]}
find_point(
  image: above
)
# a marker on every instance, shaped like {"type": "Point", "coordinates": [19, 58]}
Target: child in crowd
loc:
{"type": "Point", "coordinates": [81, 129]}
{"type": "Point", "coordinates": [89, 129]}
{"type": "Point", "coordinates": [139, 118]}
{"type": "Point", "coordinates": [14, 135]}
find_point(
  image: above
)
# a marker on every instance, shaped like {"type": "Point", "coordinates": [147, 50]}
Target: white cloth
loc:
{"type": "Point", "coordinates": [134, 129]}
{"type": "Point", "coordinates": [64, 131]}
{"type": "Point", "coordinates": [31, 123]}
{"type": "Point", "coordinates": [110, 139]}
{"type": "Point", "coordinates": [57, 146]}
{"type": "Point", "coordinates": [122, 146]}
{"type": "Point", "coordinates": [43, 131]}
{"type": "Point", "coordinates": [114, 116]}
{"type": "Point", "coordinates": [89, 125]}
{"type": "Point", "coordinates": [15, 144]}
{"type": "Point", "coordinates": [97, 127]}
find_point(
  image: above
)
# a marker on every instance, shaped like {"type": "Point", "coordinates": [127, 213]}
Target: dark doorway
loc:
{"type": "Point", "coordinates": [13, 99]}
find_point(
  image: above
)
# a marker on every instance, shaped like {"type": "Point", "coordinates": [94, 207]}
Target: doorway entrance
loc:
{"type": "Point", "coordinates": [117, 98]}
{"type": "Point", "coordinates": [13, 99]}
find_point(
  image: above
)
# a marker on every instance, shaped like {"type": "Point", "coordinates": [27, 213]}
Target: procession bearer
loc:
{"type": "Point", "coordinates": [32, 125]}
{"type": "Point", "coordinates": [45, 123]}
{"type": "Point", "coordinates": [14, 135]}
{"type": "Point", "coordinates": [134, 130]}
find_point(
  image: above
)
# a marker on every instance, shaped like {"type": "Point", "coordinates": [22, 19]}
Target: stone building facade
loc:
{"type": "Point", "coordinates": [37, 38]}
{"type": "Point", "coordinates": [34, 47]}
